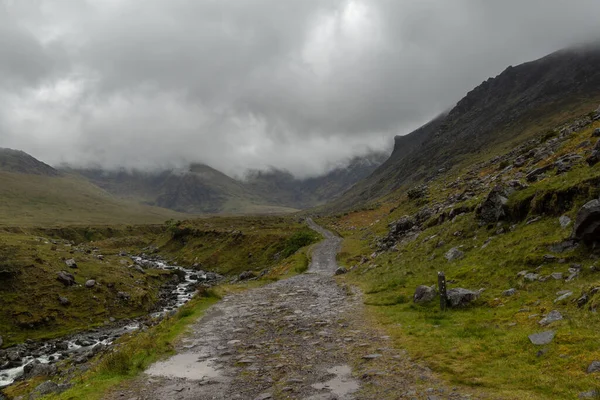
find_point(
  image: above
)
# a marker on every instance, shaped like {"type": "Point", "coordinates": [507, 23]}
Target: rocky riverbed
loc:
{"type": "Point", "coordinates": [31, 359]}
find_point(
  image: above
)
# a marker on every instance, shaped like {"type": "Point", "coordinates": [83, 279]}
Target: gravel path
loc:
{"type": "Point", "coordinates": [301, 338]}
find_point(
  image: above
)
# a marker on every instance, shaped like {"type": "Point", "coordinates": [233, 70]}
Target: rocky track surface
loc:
{"type": "Point", "coordinates": [301, 338]}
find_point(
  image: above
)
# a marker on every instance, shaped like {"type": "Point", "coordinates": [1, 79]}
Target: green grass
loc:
{"type": "Point", "coordinates": [35, 200]}
{"type": "Point", "coordinates": [231, 245]}
{"type": "Point", "coordinates": [478, 346]}
{"type": "Point", "coordinates": [29, 263]}
{"type": "Point", "coordinates": [486, 346]}
{"type": "Point", "coordinates": [31, 309]}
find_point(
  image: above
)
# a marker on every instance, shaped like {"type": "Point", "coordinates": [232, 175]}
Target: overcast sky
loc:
{"type": "Point", "coordinates": [236, 84]}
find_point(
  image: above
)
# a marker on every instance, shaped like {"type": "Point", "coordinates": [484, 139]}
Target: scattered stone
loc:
{"type": "Point", "coordinates": [264, 396]}
{"type": "Point", "coordinates": [563, 246]}
{"type": "Point", "coordinates": [424, 294]}
{"type": "Point", "coordinates": [552, 316]}
{"type": "Point", "coordinates": [587, 223]}
{"type": "Point", "coordinates": [582, 301]}
{"type": "Point", "coordinates": [460, 297]}
{"type": "Point", "coordinates": [509, 292]}
{"type": "Point", "coordinates": [531, 277]}
{"type": "Point", "coordinates": [90, 283]}
{"type": "Point", "coordinates": [246, 275]}
{"type": "Point", "coordinates": [63, 301]}
{"type": "Point", "coordinates": [371, 356]}
{"type": "Point", "coordinates": [46, 388]}
{"type": "Point", "coordinates": [35, 369]}
{"type": "Point", "coordinates": [533, 220]}
{"type": "Point", "coordinates": [557, 275]}
{"type": "Point", "coordinates": [596, 132]}
{"type": "Point", "coordinates": [341, 271]}
{"type": "Point", "coordinates": [573, 274]}
{"type": "Point", "coordinates": [65, 278]}
{"type": "Point", "coordinates": [493, 207]}
{"type": "Point", "coordinates": [124, 296]}
{"type": "Point", "coordinates": [538, 173]}
{"type": "Point", "coordinates": [454, 254]}
{"type": "Point", "coordinates": [71, 263]}
{"type": "Point", "coordinates": [594, 367]}
{"type": "Point", "coordinates": [595, 156]}
{"type": "Point", "coordinates": [543, 338]}
{"type": "Point", "coordinates": [592, 394]}
{"type": "Point", "coordinates": [564, 221]}
{"type": "Point", "coordinates": [563, 296]}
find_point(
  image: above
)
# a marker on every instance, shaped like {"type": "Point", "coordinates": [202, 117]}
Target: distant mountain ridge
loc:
{"type": "Point", "coordinates": [203, 189]}
{"type": "Point", "coordinates": [21, 162]}
{"type": "Point", "coordinates": [516, 104]}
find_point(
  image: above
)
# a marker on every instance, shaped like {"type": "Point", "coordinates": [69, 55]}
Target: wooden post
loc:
{"type": "Point", "coordinates": [442, 289]}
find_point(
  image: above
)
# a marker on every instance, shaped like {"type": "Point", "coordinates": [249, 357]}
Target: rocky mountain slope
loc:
{"type": "Point", "coordinates": [283, 188]}
{"type": "Point", "coordinates": [520, 102]}
{"type": "Point", "coordinates": [516, 235]}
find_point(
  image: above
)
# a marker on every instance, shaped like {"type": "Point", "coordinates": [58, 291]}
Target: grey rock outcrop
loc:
{"type": "Point", "coordinates": [71, 263]}
{"type": "Point", "coordinates": [543, 338]}
{"type": "Point", "coordinates": [460, 297]}
{"type": "Point", "coordinates": [594, 158]}
{"type": "Point", "coordinates": [552, 316]}
{"type": "Point", "coordinates": [564, 221]}
{"type": "Point", "coordinates": [587, 224]}
{"type": "Point", "coordinates": [454, 254]}
{"type": "Point", "coordinates": [47, 388]}
{"type": "Point", "coordinates": [124, 296]}
{"type": "Point", "coordinates": [493, 207]}
{"type": "Point", "coordinates": [246, 275]}
{"type": "Point", "coordinates": [65, 278]}
{"type": "Point", "coordinates": [90, 283]}
{"type": "Point", "coordinates": [35, 369]}
{"type": "Point", "coordinates": [593, 367]}
{"type": "Point", "coordinates": [424, 294]}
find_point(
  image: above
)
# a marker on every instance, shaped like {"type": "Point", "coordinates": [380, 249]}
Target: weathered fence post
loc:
{"type": "Point", "coordinates": [442, 289]}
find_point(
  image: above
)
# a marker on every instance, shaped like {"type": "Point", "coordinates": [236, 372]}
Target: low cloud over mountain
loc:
{"type": "Point", "coordinates": [295, 85]}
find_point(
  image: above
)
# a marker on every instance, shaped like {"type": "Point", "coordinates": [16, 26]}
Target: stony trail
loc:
{"type": "Point", "coordinates": [301, 338]}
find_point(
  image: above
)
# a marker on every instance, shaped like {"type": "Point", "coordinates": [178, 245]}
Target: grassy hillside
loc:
{"type": "Point", "coordinates": [18, 161]}
{"type": "Point", "coordinates": [486, 344]}
{"type": "Point", "coordinates": [39, 200]}
{"type": "Point", "coordinates": [231, 245]}
{"type": "Point", "coordinates": [31, 258]}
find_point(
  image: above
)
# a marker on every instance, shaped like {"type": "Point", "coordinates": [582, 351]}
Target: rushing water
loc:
{"type": "Point", "coordinates": [82, 345]}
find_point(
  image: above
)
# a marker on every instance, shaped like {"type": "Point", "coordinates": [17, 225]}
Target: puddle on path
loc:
{"type": "Point", "coordinates": [185, 365]}
{"type": "Point", "coordinates": [343, 384]}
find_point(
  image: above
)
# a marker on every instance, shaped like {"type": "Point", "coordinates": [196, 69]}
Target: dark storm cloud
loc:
{"type": "Point", "coordinates": [248, 84]}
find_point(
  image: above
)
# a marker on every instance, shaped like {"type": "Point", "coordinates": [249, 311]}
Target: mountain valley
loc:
{"type": "Point", "coordinates": [328, 287]}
